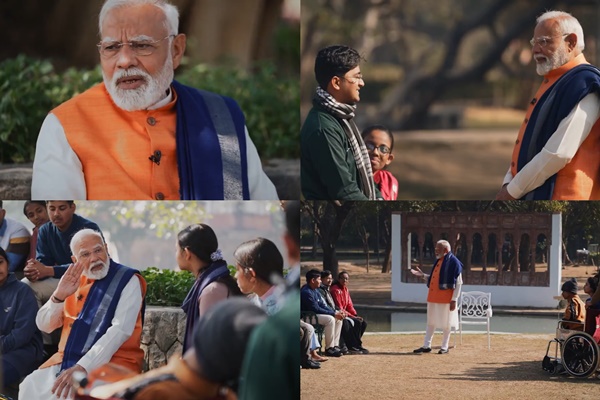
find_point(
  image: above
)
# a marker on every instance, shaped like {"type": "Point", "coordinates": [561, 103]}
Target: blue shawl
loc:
{"type": "Point", "coordinates": [449, 271]}
{"type": "Point", "coordinates": [190, 305]}
{"type": "Point", "coordinates": [552, 107]}
{"type": "Point", "coordinates": [211, 146]}
{"type": "Point", "coordinates": [97, 313]}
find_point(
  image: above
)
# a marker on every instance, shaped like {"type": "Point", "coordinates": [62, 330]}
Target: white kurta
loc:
{"type": "Point", "coordinates": [439, 314]}
{"type": "Point", "coordinates": [38, 384]}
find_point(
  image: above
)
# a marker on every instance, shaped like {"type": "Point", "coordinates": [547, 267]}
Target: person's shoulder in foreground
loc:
{"type": "Point", "coordinates": [140, 135]}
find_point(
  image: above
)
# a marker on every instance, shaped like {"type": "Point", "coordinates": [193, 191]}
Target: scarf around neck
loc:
{"type": "Point", "coordinates": [190, 305]}
{"type": "Point", "coordinates": [345, 113]}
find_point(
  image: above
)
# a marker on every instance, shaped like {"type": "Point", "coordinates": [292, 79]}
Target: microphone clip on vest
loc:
{"type": "Point", "coordinates": [155, 157]}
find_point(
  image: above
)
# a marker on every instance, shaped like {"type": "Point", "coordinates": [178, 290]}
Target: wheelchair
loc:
{"type": "Point", "coordinates": [579, 351]}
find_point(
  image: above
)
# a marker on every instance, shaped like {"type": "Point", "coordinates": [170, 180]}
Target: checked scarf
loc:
{"type": "Point", "coordinates": [345, 112]}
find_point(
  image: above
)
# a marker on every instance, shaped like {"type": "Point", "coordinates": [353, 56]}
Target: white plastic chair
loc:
{"type": "Point", "coordinates": [475, 309]}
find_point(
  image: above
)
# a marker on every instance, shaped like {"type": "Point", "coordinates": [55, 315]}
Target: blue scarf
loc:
{"type": "Point", "coordinates": [97, 313]}
{"type": "Point", "coordinates": [211, 146]}
{"type": "Point", "coordinates": [190, 305]}
{"type": "Point", "coordinates": [449, 271]}
{"type": "Point", "coordinates": [554, 105]}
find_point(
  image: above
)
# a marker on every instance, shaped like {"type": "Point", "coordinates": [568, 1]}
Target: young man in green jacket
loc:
{"type": "Point", "coordinates": [335, 162]}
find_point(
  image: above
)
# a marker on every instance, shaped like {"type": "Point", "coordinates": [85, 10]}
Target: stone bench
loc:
{"type": "Point", "coordinates": [162, 335]}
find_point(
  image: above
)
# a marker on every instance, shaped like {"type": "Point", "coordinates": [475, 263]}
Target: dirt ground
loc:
{"type": "Point", "coordinates": [510, 370]}
{"type": "Point", "coordinates": [457, 165]}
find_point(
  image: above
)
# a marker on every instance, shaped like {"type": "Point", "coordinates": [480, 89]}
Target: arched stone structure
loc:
{"type": "Point", "coordinates": [498, 251]}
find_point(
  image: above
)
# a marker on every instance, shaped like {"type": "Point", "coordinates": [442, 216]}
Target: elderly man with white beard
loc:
{"type": "Point", "coordinates": [141, 135]}
{"type": "Point", "coordinates": [444, 283]}
{"type": "Point", "coordinates": [556, 152]}
{"type": "Point", "coordinates": [99, 304]}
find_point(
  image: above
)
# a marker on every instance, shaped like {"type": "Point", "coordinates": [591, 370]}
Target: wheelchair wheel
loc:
{"type": "Point", "coordinates": [580, 355]}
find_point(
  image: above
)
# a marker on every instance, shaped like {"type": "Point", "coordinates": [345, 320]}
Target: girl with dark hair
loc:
{"type": "Point", "coordinates": [379, 142]}
{"type": "Point", "coordinates": [20, 339]}
{"type": "Point", "coordinates": [198, 252]}
{"type": "Point", "coordinates": [259, 265]}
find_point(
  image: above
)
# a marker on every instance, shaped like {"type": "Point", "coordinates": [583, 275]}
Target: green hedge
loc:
{"type": "Point", "coordinates": [31, 88]}
{"type": "Point", "coordinates": [168, 288]}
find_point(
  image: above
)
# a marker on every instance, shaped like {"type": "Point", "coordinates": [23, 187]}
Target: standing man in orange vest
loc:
{"type": "Point", "coordinates": [140, 135]}
{"type": "Point", "coordinates": [100, 306]}
{"type": "Point", "coordinates": [444, 285]}
{"type": "Point", "coordinates": [556, 153]}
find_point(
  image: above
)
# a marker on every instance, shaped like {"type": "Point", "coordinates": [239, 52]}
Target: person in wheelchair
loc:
{"type": "Point", "coordinates": [574, 316]}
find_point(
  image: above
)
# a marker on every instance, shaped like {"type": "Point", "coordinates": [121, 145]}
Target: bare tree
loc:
{"type": "Point", "coordinates": [329, 218]}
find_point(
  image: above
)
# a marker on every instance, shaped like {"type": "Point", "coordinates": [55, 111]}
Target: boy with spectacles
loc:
{"type": "Point", "coordinates": [380, 143]}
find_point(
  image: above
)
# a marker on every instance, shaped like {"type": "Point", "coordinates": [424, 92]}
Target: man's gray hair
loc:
{"type": "Point", "coordinates": [566, 23]}
{"type": "Point", "coordinates": [446, 244]}
{"type": "Point", "coordinates": [170, 11]}
{"type": "Point", "coordinates": [82, 234]}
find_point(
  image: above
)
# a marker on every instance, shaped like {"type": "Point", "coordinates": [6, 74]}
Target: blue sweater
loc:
{"type": "Point", "coordinates": [20, 339]}
{"type": "Point", "coordinates": [53, 245]}
{"type": "Point", "coordinates": [311, 300]}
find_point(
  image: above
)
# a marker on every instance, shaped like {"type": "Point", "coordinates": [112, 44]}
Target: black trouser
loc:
{"type": "Point", "coordinates": [352, 334]}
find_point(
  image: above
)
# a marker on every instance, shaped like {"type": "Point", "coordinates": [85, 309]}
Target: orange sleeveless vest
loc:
{"type": "Point", "coordinates": [114, 147]}
{"type": "Point", "coordinates": [129, 355]}
{"type": "Point", "coordinates": [437, 295]}
{"type": "Point", "coordinates": [580, 178]}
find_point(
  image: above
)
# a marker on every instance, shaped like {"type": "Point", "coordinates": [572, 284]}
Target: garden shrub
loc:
{"type": "Point", "coordinates": [168, 288]}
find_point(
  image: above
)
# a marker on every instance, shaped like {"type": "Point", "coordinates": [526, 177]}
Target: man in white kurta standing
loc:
{"type": "Point", "coordinates": [444, 285]}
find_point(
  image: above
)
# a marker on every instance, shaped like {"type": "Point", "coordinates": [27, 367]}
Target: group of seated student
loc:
{"type": "Point", "coordinates": [332, 304]}
{"type": "Point", "coordinates": [337, 296]}
{"type": "Point", "coordinates": [99, 304]}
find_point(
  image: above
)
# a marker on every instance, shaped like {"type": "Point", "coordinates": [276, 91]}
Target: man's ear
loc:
{"type": "Point", "coordinates": [177, 49]}
{"type": "Point", "coordinates": [572, 40]}
{"type": "Point", "coordinates": [74, 259]}
{"type": "Point", "coordinates": [334, 83]}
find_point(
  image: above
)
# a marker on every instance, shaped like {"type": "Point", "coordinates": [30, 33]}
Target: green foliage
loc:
{"type": "Point", "coordinates": [167, 287]}
{"type": "Point", "coordinates": [31, 88]}
{"type": "Point", "coordinates": [270, 103]}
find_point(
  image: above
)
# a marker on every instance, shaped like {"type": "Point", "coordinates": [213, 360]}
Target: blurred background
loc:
{"type": "Point", "coordinates": [142, 234]}
{"type": "Point", "coordinates": [245, 49]}
{"type": "Point", "coordinates": [452, 79]}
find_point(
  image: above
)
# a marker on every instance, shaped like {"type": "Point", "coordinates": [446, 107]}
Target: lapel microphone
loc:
{"type": "Point", "coordinates": [155, 158]}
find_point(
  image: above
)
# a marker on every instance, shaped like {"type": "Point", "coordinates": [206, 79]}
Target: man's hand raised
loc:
{"type": "Point", "coordinates": [70, 280]}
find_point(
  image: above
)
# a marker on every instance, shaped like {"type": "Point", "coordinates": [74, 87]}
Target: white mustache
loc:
{"type": "Point", "coordinates": [124, 73]}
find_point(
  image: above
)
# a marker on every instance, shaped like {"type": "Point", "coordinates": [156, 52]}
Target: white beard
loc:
{"type": "Point", "coordinates": [97, 275]}
{"type": "Point", "coordinates": [556, 60]}
{"type": "Point", "coordinates": [151, 92]}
